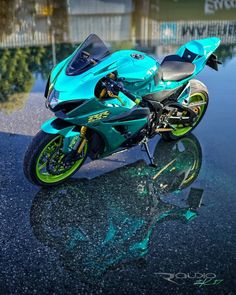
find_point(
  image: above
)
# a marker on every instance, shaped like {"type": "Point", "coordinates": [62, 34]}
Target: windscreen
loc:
{"type": "Point", "coordinates": [89, 53]}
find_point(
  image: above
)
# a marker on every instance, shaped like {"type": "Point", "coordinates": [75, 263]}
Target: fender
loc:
{"type": "Point", "coordinates": [58, 126]}
{"type": "Point", "coordinates": [69, 131]}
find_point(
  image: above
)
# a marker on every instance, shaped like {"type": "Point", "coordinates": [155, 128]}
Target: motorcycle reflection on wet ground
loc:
{"type": "Point", "coordinates": [106, 223]}
{"type": "Point", "coordinates": [134, 229]}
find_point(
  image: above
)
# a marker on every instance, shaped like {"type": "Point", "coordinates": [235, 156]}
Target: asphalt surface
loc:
{"type": "Point", "coordinates": [113, 228]}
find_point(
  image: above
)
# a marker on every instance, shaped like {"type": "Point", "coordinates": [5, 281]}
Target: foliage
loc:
{"type": "Point", "coordinates": [18, 67]}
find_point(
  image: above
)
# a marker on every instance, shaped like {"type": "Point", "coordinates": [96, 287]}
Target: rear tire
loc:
{"type": "Point", "coordinates": [196, 87]}
{"type": "Point", "coordinates": [32, 155]}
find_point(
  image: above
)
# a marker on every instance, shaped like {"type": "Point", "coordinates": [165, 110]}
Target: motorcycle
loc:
{"type": "Point", "coordinates": [108, 102]}
{"type": "Point", "coordinates": [107, 223]}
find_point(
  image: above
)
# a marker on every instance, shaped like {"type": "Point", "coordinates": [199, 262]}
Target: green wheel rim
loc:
{"type": "Point", "coordinates": [196, 97]}
{"type": "Point", "coordinates": [49, 178]}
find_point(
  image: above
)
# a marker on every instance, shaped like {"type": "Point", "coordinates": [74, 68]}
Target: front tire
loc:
{"type": "Point", "coordinates": [198, 93]}
{"type": "Point", "coordinates": [41, 147]}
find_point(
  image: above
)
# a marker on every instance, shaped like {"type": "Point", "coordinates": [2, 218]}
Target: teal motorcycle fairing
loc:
{"type": "Point", "coordinates": [108, 102]}
{"type": "Point", "coordinates": [140, 74]}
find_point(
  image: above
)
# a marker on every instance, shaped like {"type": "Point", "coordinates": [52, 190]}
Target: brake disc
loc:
{"type": "Point", "coordinates": [56, 164]}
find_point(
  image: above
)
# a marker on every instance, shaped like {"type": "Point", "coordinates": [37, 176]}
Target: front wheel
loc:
{"type": "Point", "coordinates": [44, 163]}
{"type": "Point", "coordinates": [198, 93]}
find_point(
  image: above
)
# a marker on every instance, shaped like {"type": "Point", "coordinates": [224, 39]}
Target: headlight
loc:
{"type": "Point", "coordinates": [52, 99]}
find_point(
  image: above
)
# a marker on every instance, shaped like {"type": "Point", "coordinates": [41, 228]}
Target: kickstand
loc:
{"type": "Point", "coordinates": [146, 149]}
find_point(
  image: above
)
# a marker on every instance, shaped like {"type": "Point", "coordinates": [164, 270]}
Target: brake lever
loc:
{"type": "Point", "coordinates": [110, 88]}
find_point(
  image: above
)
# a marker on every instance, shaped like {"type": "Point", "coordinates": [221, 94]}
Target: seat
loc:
{"type": "Point", "coordinates": [175, 68]}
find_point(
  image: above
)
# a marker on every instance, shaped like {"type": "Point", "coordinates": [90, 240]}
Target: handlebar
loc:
{"type": "Point", "coordinates": [118, 86]}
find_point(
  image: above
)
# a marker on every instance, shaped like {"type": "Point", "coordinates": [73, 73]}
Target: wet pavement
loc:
{"type": "Point", "coordinates": [120, 226]}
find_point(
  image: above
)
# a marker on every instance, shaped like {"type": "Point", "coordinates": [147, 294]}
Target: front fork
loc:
{"type": "Point", "coordinates": [78, 146]}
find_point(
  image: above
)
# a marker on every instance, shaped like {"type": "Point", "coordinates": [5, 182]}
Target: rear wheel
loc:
{"type": "Point", "coordinates": [44, 163]}
{"type": "Point", "coordinates": [199, 93]}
